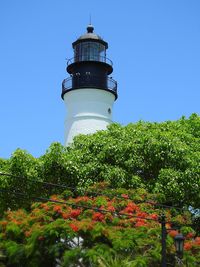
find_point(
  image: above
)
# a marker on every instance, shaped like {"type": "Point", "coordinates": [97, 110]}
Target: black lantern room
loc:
{"type": "Point", "coordinates": [89, 68]}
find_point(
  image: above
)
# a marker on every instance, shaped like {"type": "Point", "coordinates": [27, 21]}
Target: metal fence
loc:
{"type": "Point", "coordinates": [90, 81]}
{"type": "Point", "coordinates": [89, 58]}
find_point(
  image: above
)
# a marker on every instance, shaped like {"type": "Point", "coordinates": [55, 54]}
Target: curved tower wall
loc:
{"type": "Point", "coordinates": [88, 110]}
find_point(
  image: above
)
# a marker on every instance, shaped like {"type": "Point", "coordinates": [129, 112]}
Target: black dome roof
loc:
{"type": "Point", "coordinates": [90, 36]}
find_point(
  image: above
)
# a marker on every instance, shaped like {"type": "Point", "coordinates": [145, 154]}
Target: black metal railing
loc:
{"type": "Point", "coordinates": [89, 81]}
{"type": "Point", "coordinates": [89, 58]}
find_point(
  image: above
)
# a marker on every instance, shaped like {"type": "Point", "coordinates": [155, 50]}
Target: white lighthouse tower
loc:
{"type": "Point", "coordinates": [89, 93]}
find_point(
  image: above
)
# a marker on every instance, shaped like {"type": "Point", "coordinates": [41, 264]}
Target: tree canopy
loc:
{"type": "Point", "coordinates": [160, 157]}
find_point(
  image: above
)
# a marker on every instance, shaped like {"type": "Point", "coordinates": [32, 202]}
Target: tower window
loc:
{"type": "Point", "coordinates": [89, 51]}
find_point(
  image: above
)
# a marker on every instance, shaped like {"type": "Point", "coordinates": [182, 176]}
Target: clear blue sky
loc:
{"type": "Point", "coordinates": [154, 44]}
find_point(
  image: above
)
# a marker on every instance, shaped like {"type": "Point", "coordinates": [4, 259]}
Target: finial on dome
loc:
{"type": "Point", "coordinates": [90, 28]}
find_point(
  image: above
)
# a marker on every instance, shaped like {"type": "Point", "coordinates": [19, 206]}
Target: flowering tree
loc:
{"type": "Point", "coordinates": [103, 228]}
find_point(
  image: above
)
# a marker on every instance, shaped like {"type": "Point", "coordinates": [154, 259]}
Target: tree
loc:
{"type": "Point", "coordinates": [103, 228]}
{"type": "Point", "coordinates": [160, 157]}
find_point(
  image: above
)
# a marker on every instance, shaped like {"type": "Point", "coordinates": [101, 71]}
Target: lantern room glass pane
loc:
{"type": "Point", "coordinates": [89, 51]}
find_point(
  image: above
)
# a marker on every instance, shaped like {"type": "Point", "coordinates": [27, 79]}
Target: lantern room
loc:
{"type": "Point", "coordinates": [89, 67]}
{"type": "Point", "coordinates": [90, 47]}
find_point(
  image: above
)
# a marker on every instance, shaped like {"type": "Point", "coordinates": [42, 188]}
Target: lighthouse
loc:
{"type": "Point", "coordinates": [89, 92]}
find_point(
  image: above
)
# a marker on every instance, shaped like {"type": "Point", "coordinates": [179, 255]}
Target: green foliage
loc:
{"type": "Point", "coordinates": [71, 257]}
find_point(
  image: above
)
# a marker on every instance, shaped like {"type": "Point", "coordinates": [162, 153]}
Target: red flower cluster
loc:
{"type": "Point", "coordinates": [190, 235]}
{"type": "Point", "coordinates": [131, 207]}
{"type": "Point", "coordinates": [81, 199]}
{"type": "Point", "coordinates": [154, 216]}
{"type": "Point", "coordinates": [140, 223]}
{"type": "Point", "coordinates": [57, 208]}
{"type": "Point", "coordinates": [45, 206]}
{"type": "Point", "coordinates": [188, 246]}
{"type": "Point", "coordinates": [74, 227]}
{"type": "Point", "coordinates": [173, 233]}
{"type": "Point", "coordinates": [75, 213]}
{"type": "Point", "coordinates": [98, 217]}
{"type": "Point", "coordinates": [142, 214]}
{"type": "Point", "coordinates": [192, 244]}
{"type": "Point", "coordinates": [16, 222]}
{"type": "Point", "coordinates": [197, 241]}
{"type": "Point", "coordinates": [65, 215]}
{"type": "Point", "coordinates": [111, 208]}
